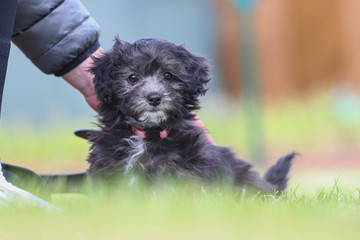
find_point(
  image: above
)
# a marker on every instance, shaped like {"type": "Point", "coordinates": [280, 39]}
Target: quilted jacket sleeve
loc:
{"type": "Point", "coordinates": [55, 35]}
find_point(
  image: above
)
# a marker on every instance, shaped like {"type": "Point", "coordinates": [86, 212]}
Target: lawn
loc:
{"type": "Point", "coordinates": [185, 211]}
{"type": "Point", "coordinates": [322, 202]}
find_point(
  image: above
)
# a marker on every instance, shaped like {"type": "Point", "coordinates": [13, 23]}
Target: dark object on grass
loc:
{"type": "Point", "coordinates": [44, 184]}
{"type": "Point", "coordinates": [65, 183]}
{"type": "Point", "coordinates": [25, 179]}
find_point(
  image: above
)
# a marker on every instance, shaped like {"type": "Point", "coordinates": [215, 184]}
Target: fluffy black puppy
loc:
{"type": "Point", "coordinates": [148, 91]}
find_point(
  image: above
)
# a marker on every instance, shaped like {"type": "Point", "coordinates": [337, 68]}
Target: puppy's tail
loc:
{"type": "Point", "coordinates": [278, 173]}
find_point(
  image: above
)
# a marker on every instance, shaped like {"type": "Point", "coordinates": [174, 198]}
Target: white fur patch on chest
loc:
{"type": "Point", "coordinates": [137, 152]}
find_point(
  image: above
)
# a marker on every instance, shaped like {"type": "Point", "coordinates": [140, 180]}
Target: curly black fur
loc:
{"type": "Point", "coordinates": [126, 78]}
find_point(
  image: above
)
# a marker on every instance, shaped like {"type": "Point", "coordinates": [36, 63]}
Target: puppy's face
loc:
{"type": "Point", "coordinates": [151, 82]}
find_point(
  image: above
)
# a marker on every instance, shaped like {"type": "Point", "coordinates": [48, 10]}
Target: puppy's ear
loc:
{"type": "Point", "coordinates": [103, 72]}
{"type": "Point", "coordinates": [197, 72]}
{"type": "Point", "coordinates": [102, 77]}
{"type": "Point", "coordinates": [199, 68]}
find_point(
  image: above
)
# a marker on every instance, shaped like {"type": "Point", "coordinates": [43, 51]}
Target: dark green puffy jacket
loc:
{"type": "Point", "coordinates": [54, 34]}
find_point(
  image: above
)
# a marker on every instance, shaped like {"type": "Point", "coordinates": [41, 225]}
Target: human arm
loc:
{"type": "Point", "coordinates": [59, 36]}
{"type": "Point", "coordinates": [56, 35]}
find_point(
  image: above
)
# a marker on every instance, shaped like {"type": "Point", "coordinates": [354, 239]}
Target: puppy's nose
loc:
{"type": "Point", "coordinates": [154, 99]}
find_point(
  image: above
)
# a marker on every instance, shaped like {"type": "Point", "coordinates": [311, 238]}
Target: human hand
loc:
{"type": "Point", "coordinates": [82, 79]}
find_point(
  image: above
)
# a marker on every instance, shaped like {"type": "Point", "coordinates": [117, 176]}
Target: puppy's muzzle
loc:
{"type": "Point", "coordinates": [154, 98]}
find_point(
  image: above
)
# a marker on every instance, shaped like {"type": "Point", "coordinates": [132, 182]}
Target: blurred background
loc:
{"type": "Point", "coordinates": [285, 78]}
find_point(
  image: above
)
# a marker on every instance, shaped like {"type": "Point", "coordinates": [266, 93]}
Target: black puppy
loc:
{"type": "Point", "coordinates": [148, 91]}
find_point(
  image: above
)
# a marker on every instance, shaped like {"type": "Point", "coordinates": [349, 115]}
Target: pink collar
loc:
{"type": "Point", "coordinates": [141, 132]}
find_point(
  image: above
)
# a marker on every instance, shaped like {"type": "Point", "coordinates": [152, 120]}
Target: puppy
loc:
{"type": "Point", "coordinates": [148, 91]}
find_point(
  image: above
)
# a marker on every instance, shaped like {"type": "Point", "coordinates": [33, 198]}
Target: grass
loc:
{"type": "Point", "coordinates": [318, 205]}
{"type": "Point", "coordinates": [184, 211]}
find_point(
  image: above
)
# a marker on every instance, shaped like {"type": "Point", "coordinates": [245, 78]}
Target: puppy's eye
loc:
{"type": "Point", "coordinates": [168, 76]}
{"type": "Point", "coordinates": [133, 78]}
